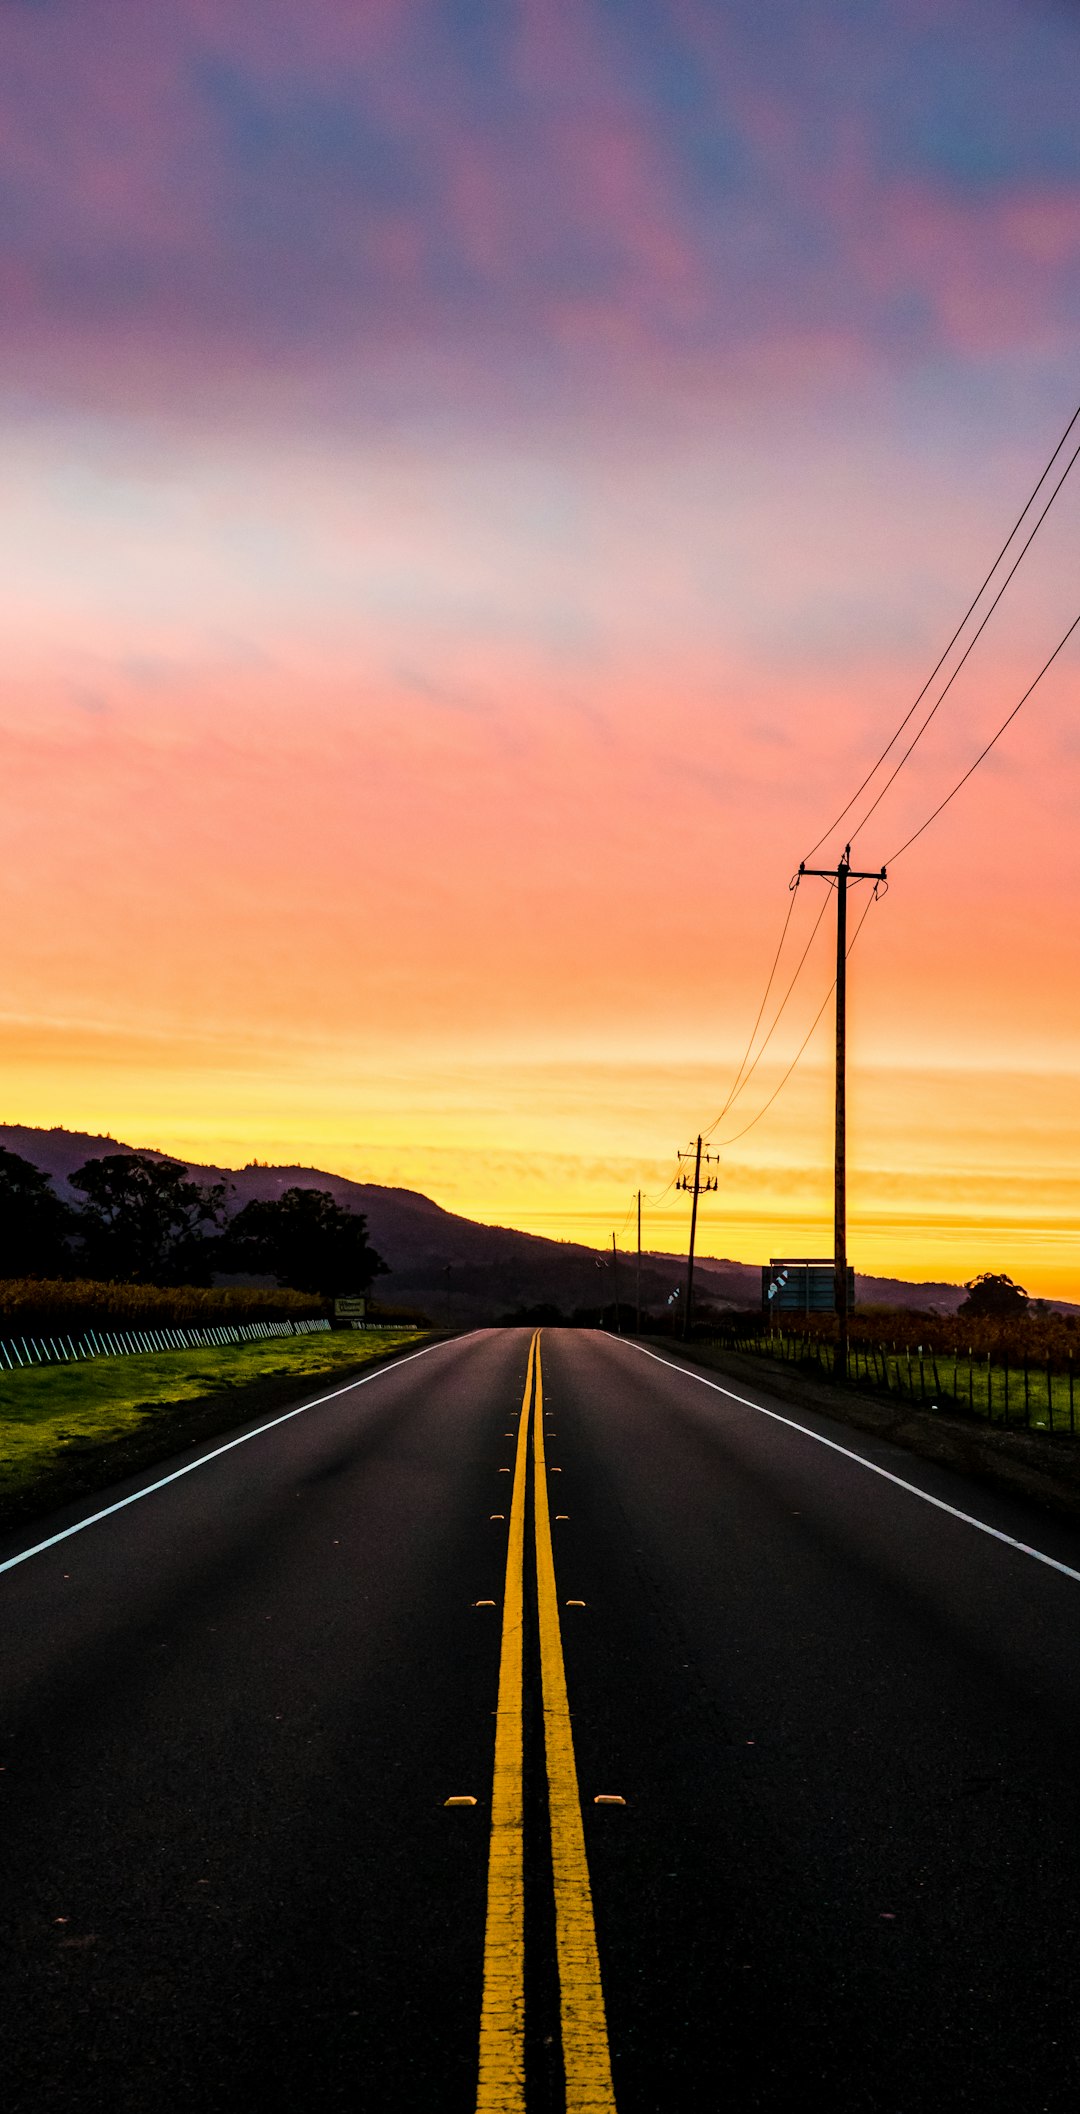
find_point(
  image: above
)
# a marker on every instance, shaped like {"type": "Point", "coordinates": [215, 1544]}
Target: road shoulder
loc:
{"type": "Point", "coordinates": [87, 1469]}
{"type": "Point", "coordinates": [1029, 1464]}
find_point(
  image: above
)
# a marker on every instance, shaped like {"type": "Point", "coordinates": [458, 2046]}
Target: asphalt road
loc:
{"type": "Point", "coordinates": [844, 1722]}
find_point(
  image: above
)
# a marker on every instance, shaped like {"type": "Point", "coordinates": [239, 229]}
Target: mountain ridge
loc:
{"type": "Point", "coordinates": [491, 1268]}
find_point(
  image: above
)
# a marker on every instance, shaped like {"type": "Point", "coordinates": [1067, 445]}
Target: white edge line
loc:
{"type": "Point", "coordinates": [861, 1461]}
{"type": "Point", "coordinates": [92, 1518]}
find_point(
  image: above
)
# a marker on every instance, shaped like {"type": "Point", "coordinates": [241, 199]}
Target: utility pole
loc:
{"type": "Point", "coordinates": [615, 1268]}
{"type": "Point", "coordinates": [697, 1186]}
{"type": "Point", "coordinates": [840, 876]}
{"type": "Point", "coordinates": [638, 1299]}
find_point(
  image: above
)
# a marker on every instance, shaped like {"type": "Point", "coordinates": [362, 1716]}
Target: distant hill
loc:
{"type": "Point", "coordinates": [493, 1269]}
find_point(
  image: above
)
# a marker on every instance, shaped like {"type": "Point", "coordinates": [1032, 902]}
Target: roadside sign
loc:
{"type": "Point", "coordinates": [350, 1306]}
{"type": "Point", "coordinates": [803, 1285]}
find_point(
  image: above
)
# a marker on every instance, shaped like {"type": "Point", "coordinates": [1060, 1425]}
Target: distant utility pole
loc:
{"type": "Point", "coordinates": [840, 876]}
{"type": "Point", "coordinates": [638, 1298]}
{"type": "Point", "coordinates": [697, 1186]}
{"type": "Point", "coordinates": [615, 1268]}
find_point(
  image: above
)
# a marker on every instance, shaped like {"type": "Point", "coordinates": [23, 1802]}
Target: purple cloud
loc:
{"type": "Point", "coordinates": [208, 191]}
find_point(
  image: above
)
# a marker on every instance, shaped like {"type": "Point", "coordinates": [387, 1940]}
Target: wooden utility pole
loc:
{"type": "Point", "coordinates": [840, 875]}
{"type": "Point", "coordinates": [637, 1303]}
{"type": "Point", "coordinates": [615, 1269]}
{"type": "Point", "coordinates": [697, 1186]}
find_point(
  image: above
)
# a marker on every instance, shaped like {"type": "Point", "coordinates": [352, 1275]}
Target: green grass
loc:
{"type": "Point", "coordinates": [1039, 1400]}
{"type": "Point", "coordinates": [56, 1418]}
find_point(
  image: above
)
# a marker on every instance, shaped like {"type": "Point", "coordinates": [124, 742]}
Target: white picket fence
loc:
{"type": "Point", "coordinates": [128, 1343]}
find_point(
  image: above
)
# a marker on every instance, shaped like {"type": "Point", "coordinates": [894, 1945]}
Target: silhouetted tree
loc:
{"type": "Point", "coordinates": [994, 1296]}
{"type": "Point", "coordinates": [34, 1222]}
{"type": "Point", "coordinates": [144, 1221]}
{"type": "Point", "coordinates": [305, 1240]}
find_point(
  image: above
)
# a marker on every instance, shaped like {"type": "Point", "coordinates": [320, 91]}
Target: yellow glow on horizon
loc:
{"type": "Point", "coordinates": [950, 1172]}
{"type": "Point", "coordinates": [416, 841]}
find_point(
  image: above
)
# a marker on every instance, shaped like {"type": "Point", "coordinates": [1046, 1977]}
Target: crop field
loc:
{"type": "Point", "coordinates": [58, 1417]}
{"type": "Point", "coordinates": [33, 1306]}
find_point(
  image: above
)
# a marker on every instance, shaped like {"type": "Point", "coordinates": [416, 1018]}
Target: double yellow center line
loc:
{"type": "Point", "coordinates": [586, 2060]}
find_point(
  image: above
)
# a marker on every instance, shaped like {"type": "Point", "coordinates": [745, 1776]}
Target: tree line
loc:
{"type": "Point", "coordinates": [142, 1220]}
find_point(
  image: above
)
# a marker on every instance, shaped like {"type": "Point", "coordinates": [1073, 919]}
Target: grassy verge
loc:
{"type": "Point", "coordinates": [1021, 1394]}
{"type": "Point", "coordinates": [67, 1430]}
{"type": "Point", "coordinates": [1034, 1464]}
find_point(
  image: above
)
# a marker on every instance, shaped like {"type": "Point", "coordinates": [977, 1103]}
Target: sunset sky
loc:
{"type": "Point", "coordinates": [480, 484]}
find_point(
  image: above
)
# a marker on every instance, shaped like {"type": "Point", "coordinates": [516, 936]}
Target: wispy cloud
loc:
{"type": "Point", "coordinates": [278, 191]}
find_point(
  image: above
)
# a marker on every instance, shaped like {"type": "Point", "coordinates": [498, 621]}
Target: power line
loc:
{"type": "Point", "coordinates": [737, 1090]}
{"type": "Point", "coordinates": [761, 1008]}
{"type": "Point", "coordinates": [746, 1067]}
{"type": "Point", "coordinates": [917, 737]}
{"type": "Point", "coordinates": [741, 1081]}
{"type": "Point", "coordinates": [969, 611]}
{"type": "Point", "coordinates": [992, 743]}
{"type": "Point", "coordinates": [724, 1142]}
{"type": "Point", "coordinates": [653, 1201]}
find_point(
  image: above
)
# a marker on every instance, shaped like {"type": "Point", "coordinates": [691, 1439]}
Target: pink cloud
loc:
{"type": "Point", "coordinates": [282, 191]}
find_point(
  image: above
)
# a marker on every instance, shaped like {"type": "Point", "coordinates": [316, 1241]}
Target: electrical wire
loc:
{"type": "Point", "coordinates": [743, 1075]}
{"type": "Point", "coordinates": [740, 1081]}
{"type": "Point", "coordinates": [984, 753]}
{"type": "Point", "coordinates": [917, 737]}
{"type": "Point", "coordinates": [772, 974]}
{"type": "Point", "coordinates": [777, 1090]}
{"type": "Point", "coordinates": [654, 1201]}
{"type": "Point", "coordinates": [969, 612]}
{"type": "Point", "coordinates": [738, 1088]}
{"type": "Point", "coordinates": [651, 1202]}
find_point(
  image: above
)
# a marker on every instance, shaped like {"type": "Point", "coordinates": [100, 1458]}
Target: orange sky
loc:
{"type": "Point", "coordinates": [414, 710]}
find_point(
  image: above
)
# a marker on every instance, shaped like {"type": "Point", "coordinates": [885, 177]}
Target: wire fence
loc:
{"type": "Point", "coordinates": [18, 1351]}
{"type": "Point", "coordinates": [1032, 1393]}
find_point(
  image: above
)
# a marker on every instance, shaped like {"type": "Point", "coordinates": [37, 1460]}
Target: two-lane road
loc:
{"type": "Point", "coordinates": [842, 1718]}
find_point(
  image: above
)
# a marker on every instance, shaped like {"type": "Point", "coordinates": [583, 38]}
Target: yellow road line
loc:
{"type": "Point", "coordinates": [587, 2062]}
{"type": "Point", "coordinates": [501, 2086]}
